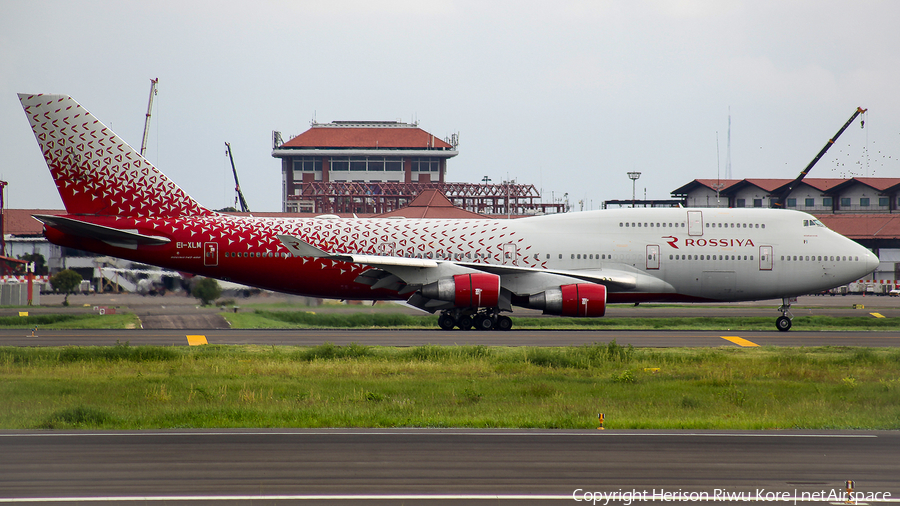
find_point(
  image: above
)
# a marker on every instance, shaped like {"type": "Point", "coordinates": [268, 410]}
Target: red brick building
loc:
{"type": "Point", "coordinates": [368, 168]}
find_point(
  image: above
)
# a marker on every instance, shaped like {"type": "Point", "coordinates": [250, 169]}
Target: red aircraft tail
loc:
{"type": "Point", "coordinates": [95, 171]}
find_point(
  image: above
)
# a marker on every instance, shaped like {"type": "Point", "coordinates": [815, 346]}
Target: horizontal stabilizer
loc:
{"type": "Point", "coordinates": [114, 236]}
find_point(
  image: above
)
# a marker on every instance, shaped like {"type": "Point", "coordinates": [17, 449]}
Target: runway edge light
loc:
{"type": "Point", "coordinates": [849, 485]}
{"type": "Point", "coordinates": [600, 418]}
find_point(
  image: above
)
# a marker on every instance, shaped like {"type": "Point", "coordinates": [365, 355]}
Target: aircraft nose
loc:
{"type": "Point", "coordinates": [872, 261]}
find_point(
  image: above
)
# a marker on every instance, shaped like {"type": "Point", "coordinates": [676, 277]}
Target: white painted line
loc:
{"type": "Point", "coordinates": [439, 432]}
{"type": "Point", "coordinates": [749, 497]}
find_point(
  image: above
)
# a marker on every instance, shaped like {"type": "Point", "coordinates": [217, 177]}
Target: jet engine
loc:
{"type": "Point", "coordinates": [580, 299]}
{"type": "Point", "coordinates": [479, 289]}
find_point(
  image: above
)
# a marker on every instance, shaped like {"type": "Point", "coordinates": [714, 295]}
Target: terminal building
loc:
{"type": "Point", "coordinates": [375, 167]}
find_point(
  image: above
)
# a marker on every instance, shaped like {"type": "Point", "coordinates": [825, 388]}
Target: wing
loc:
{"type": "Point", "coordinates": [409, 275]}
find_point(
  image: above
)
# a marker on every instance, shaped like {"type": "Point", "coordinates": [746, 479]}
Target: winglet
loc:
{"type": "Point", "coordinates": [300, 248]}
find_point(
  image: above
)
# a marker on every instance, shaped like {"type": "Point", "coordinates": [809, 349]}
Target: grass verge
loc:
{"type": "Point", "coordinates": [72, 321]}
{"type": "Point", "coordinates": [125, 387]}
{"type": "Point", "coordinates": [311, 319]}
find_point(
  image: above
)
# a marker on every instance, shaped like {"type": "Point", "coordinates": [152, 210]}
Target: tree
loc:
{"type": "Point", "coordinates": [207, 290]}
{"type": "Point", "coordinates": [66, 281]}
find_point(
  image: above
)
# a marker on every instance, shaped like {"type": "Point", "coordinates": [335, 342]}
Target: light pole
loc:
{"type": "Point", "coordinates": [634, 177]}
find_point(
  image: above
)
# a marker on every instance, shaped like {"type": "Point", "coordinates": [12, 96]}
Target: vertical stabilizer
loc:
{"type": "Point", "coordinates": [95, 171]}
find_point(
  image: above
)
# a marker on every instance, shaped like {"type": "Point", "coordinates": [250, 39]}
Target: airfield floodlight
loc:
{"type": "Point", "coordinates": [634, 177]}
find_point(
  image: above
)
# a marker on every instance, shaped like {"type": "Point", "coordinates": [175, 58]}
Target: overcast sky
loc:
{"type": "Point", "coordinates": [567, 96]}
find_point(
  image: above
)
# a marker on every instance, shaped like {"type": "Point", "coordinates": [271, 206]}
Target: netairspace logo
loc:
{"type": "Point", "coordinates": [627, 497]}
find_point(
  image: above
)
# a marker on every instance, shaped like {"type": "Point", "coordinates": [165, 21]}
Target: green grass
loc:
{"type": "Point", "coordinates": [312, 319]}
{"type": "Point", "coordinates": [71, 321]}
{"type": "Point", "coordinates": [125, 387]}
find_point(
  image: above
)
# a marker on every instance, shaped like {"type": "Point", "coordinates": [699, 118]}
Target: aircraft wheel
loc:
{"type": "Point", "coordinates": [783, 323]}
{"type": "Point", "coordinates": [446, 322]}
{"type": "Point", "coordinates": [464, 323]}
{"type": "Point", "coordinates": [504, 323]}
{"type": "Point", "coordinates": [483, 322]}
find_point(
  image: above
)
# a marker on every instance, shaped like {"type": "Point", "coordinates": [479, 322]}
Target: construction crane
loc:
{"type": "Point", "coordinates": [153, 83]}
{"type": "Point", "coordinates": [781, 199]}
{"type": "Point", "coordinates": [238, 195]}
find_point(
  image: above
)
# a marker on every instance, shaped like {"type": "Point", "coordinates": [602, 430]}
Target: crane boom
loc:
{"type": "Point", "coordinates": [239, 196]}
{"type": "Point", "coordinates": [782, 198]}
{"type": "Point", "coordinates": [153, 83]}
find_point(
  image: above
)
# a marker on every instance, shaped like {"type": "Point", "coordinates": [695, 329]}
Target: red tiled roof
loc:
{"type": "Point", "coordinates": [863, 226]}
{"type": "Point", "coordinates": [769, 184]}
{"type": "Point", "coordinates": [19, 221]}
{"type": "Point", "coordinates": [823, 184]}
{"type": "Point", "coordinates": [432, 204]}
{"type": "Point", "coordinates": [878, 183]}
{"type": "Point", "coordinates": [709, 183]}
{"type": "Point", "coordinates": [375, 137]}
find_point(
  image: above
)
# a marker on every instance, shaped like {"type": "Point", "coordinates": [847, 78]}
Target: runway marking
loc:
{"type": "Point", "coordinates": [739, 341]}
{"type": "Point", "coordinates": [346, 497]}
{"type": "Point", "coordinates": [196, 340]}
{"type": "Point", "coordinates": [877, 315]}
{"type": "Point", "coordinates": [443, 432]}
{"type": "Point", "coordinates": [749, 497]}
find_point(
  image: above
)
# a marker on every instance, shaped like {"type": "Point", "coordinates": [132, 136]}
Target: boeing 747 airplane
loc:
{"type": "Point", "coordinates": [472, 271]}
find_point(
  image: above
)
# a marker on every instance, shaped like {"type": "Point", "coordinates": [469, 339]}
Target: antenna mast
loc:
{"type": "Point", "coordinates": [153, 83]}
{"type": "Point", "coordinates": [728, 149]}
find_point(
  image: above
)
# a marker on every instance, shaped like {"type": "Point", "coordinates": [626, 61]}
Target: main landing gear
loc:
{"type": "Point", "coordinates": [783, 323]}
{"type": "Point", "coordinates": [488, 319]}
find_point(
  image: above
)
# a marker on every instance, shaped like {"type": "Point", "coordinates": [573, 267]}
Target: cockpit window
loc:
{"type": "Point", "coordinates": [812, 223]}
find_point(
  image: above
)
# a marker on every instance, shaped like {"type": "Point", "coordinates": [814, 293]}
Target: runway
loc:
{"type": "Point", "coordinates": [294, 337]}
{"type": "Point", "coordinates": [414, 466]}
{"type": "Point", "coordinates": [450, 466]}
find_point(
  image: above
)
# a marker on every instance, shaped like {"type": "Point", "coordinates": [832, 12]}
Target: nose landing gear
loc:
{"type": "Point", "coordinates": [783, 323]}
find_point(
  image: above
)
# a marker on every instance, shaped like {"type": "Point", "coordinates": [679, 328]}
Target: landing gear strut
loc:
{"type": "Point", "coordinates": [486, 319]}
{"type": "Point", "coordinates": [783, 323]}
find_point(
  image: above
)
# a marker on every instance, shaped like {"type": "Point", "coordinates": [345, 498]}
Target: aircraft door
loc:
{"type": "Point", "coordinates": [652, 256]}
{"type": "Point", "coordinates": [210, 254]}
{"type": "Point", "coordinates": [766, 258]}
{"type": "Point", "coordinates": [695, 222]}
{"type": "Point", "coordinates": [509, 254]}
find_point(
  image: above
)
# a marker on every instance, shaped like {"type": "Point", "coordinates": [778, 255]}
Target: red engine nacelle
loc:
{"type": "Point", "coordinates": [580, 299]}
{"type": "Point", "coordinates": [479, 289]}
